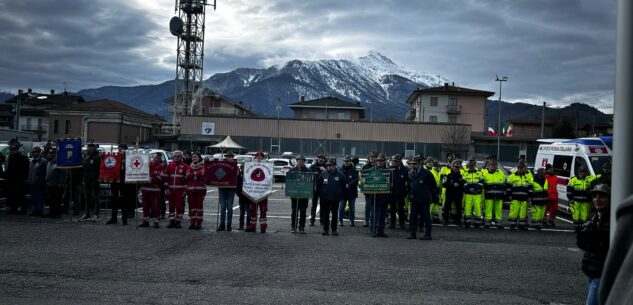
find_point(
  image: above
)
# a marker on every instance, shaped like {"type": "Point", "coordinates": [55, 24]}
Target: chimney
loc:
{"type": "Point", "coordinates": [52, 91]}
{"type": "Point", "coordinates": [453, 84]}
{"type": "Point", "coordinates": [445, 84]}
{"type": "Point", "coordinates": [302, 99]}
{"type": "Point", "coordinates": [30, 90]}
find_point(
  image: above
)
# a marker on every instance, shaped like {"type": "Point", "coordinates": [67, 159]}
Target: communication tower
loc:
{"type": "Point", "coordinates": [188, 26]}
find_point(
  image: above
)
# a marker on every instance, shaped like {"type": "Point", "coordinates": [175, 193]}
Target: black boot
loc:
{"type": "Point", "coordinates": [411, 236]}
{"type": "Point", "coordinates": [111, 221]}
{"type": "Point", "coordinates": [220, 228]}
{"type": "Point", "coordinates": [145, 224]}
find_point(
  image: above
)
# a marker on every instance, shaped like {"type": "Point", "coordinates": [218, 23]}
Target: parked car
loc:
{"type": "Point", "coordinates": [361, 163]}
{"type": "Point", "coordinates": [243, 158]}
{"type": "Point", "coordinates": [281, 167]}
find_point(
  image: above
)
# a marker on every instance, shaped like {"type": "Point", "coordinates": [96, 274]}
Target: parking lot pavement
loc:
{"type": "Point", "coordinates": [46, 261]}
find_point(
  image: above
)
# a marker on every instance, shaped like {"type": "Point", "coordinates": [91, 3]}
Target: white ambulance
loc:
{"type": "Point", "coordinates": [566, 156]}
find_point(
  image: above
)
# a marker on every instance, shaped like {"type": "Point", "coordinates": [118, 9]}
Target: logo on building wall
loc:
{"type": "Point", "coordinates": [208, 128]}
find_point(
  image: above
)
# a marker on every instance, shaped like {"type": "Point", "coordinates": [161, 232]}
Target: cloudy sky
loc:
{"type": "Point", "coordinates": [559, 51]}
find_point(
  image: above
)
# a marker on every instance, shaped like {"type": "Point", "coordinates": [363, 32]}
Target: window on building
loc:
{"type": "Point", "coordinates": [452, 101]}
{"type": "Point", "coordinates": [343, 115]}
{"type": "Point", "coordinates": [56, 126]}
{"type": "Point", "coordinates": [68, 127]}
{"type": "Point", "coordinates": [434, 101]}
{"type": "Point", "coordinates": [452, 119]}
{"type": "Point", "coordinates": [433, 119]}
{"type": "Point", "coordinates": [28, 123]}
{"type": "Point", "coordinates": [39, 124]}
{"type": "Point", "coordinates": [320, 115]}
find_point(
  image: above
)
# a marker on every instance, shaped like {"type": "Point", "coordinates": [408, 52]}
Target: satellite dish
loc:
{"type": "Point", "coordinates": [176, 26]}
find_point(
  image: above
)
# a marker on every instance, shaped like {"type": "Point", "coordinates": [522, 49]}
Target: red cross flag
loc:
{"type": "Point", "coordinates": [136, 166]}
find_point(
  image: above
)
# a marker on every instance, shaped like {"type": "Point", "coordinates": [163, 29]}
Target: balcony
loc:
{"type": "Point", "coordinates": [453, 109]}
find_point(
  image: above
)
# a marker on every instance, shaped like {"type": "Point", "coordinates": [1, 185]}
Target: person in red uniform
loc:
{"type": "Point", "coordinates": [195, 191]}
{"type": "Point", "coordinates": [263, 207]}
{"type": "Point", "coordinates": [552, 196]}
{"type": "Point", "coordinates": [151, 193]}
{"type": "Point", "coordinates": [175, 183]}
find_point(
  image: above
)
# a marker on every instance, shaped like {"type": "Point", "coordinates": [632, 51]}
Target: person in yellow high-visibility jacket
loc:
{"type": "Point", "coordinates": [520, 184]}
{"type": "Point", "coordinates": [578, 195]}
{"type": "Point", "coordinates": [443, 173]}
{"type": "Point", "coordinates": [494, 190]}
{"type": "Point", "coordinates": [539, 198]}
{"type": "Point", "coordinates": [472, 195]}
{"type": "Point", "coordinates": [435, 201]}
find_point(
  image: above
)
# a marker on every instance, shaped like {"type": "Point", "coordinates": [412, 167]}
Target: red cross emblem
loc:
{"type": "Point", "coordinates": [137, 163]}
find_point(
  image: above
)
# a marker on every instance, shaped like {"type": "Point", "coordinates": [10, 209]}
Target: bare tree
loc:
{"type": "Point", "coordinates": [456, 139]}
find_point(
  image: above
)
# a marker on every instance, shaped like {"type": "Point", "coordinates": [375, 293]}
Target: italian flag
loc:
{"type": "Point", "coordinates": [491, 131]}
{"type": "Point", "coordinates": [507, 130]}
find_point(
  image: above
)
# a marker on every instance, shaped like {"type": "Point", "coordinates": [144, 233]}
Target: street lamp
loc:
{"type": "Point", "coordinates": [500, 80]}
{"type": "Point", "coordinates": [278, 109]}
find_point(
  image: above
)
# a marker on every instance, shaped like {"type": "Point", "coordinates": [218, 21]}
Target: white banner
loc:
{"type": "Point", "coordinates": [136, 166]}
{"type": "Point", "coordinates": [258, 180]}
{"type": "Point", "coordinates": [208, 128]}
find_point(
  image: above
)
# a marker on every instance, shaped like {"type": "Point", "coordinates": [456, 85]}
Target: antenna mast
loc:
{"type": "Point", "coordinates": [188, 26]}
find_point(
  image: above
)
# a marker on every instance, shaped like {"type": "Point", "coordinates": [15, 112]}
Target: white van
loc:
{"type": "Point", "coordinates": [566, 156]}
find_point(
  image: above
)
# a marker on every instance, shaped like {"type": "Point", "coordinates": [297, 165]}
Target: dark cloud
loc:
{"type": "Point", "coordinates": [555, 50]}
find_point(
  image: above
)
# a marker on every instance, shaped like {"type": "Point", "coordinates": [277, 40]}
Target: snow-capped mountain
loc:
{"type": "Point", "coordinates": [381, 85]}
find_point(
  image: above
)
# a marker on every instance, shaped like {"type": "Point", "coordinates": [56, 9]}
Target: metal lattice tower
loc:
{"type": "Point", "coordinates": [189, 28]}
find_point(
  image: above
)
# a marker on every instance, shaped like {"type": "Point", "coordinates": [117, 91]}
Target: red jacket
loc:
{"type": "Point", "coordinates": [175, 175]}
{"type": "Point", "coordinates": [552, 189]}
{"type": "Point", "coordinates": [195, 180]}
{"type": "Point", "coordinates": [156, 172]}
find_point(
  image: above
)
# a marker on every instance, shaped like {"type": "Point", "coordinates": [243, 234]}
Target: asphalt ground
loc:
{"type": "Point", "coordinates": [62, 261]}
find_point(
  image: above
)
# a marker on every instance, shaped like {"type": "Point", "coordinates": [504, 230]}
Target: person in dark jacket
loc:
{"type": "Point", "coordinates": [380, 203]}
{"type": "Point", "coordinates": [243, 201]}
{"type": "Point", "coordinates": [454, 185]}
{"type": "Point", "coordinates": [317, 167]}
{"type": "Point", "coordinates": [351, 190]}
{"type": "Point", "coordinates": [423, 188]}
{"type": "Point", "coordinates": [299, 205]}
{"type": "Point", "coordinates": [369, 199]}
{"type": "Point", "coordinates": [17, 170]}
{"type": "Point", "coordinates": [37, 181]}
{"type": "Point", "coordinates": [91, 168]}
{"type": "Point", "coordinates": [399, 189]}
{"type": "Point", "coordinates": [330, 184]}
{"type": "Point", "coordinates": [593, 238]}
{"type": "Point", "coordinates": [124, 196]}
{"type": "Point", "coordinates": [56, 179]}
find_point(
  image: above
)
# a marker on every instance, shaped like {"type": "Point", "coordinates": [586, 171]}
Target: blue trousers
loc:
{"type": "Point", "coordinates": [227, 195]}
{"type": "Point", "coordinates": [244, 211]}
{"type": "Point", "coordinates": [592, 295]}
{"type": "Point", "coordinates": [369, 209]}
{"type": "Point", "coordinates": [37, 196]}
{"type": "Point", "coordinates": [420, 205]}
{"type": "Point", "coordinates": [352, 209]}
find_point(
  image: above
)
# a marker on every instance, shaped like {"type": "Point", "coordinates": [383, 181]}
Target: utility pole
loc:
{"type": "Point", "coordinates": [18, 105]}
{"type": "Point", "coordinates": [500, 80]}
{"type": "Point", "coordinates": [543, 121]}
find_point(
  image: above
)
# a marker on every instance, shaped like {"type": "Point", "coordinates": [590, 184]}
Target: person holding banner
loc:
{"type": "Point", "coordinates": [37, 181]}
{"type": "Point", "coordinates": [151, 192]}
{"type": "Point", "coordinates": [196, 191]}
{"type": "Point", "coordinates": [300, 204]}
{"type": "Point", "coordinates": [175, 182]}
{"type": "Point", "coordinates": [56, 178]}
{"type": "Point", "coordinates": [226, 197]}
{"type": "Point", "coordinates": [124, 196]}
{"type": "Point", "coordinates": [369, 200]}
{"type": "Point", "coordinates": [330, 184]}
{"type": "Point", "coordinates": [380, 203]}
{"type": "Point", "coordinates": [263, 204]}
{"type": "Point", "coordinates": [423, 188]}
{"type": "Point", "coordinates": [351, 190]}
{"type": "Point", "coordinates": [317, 167]}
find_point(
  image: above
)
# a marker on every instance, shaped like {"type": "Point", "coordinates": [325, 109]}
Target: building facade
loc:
{"type": "Point", "coordinates": [449, 104]}
{"type": "Point", "coordinates": [332, 137]}
{"type": "Point", "coordinates": [328, 108]}
{"type": "Point", "coordinates": [103, 121]}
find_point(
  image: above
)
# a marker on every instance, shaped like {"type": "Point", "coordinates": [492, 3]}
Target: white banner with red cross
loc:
{"type": "Point", "coordinates": [136, 166]}
{"type": "Point", "coordinates": [258, 180]}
